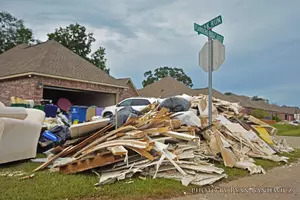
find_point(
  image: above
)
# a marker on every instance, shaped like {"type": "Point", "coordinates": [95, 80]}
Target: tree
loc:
{"type": "Point", "coordinates": [260, 114]}
{"type": "Point", "coordinates": [228, 93]}
{"type": "Point", "coordinates": [256, 98]}
{"type": "Point", "coordinates": [98, 59]}
{"type": "Point", "coordinates": [163, 72]}
{"type": "Point", "coordinates": [76, 38]}
{"type": "Point", "coordinates": [13, 32]}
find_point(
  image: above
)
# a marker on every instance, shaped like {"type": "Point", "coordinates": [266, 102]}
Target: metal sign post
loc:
{"type": "Point", "coordinates": [210, 68]}
{"type": "Point", "coordinates": [211, 58]}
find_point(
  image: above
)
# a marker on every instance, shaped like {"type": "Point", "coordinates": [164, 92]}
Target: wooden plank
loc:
{"type": "Point", "coordinates": [103, 138]}
{"type": "Point", "coordinates": [51, 160]}
{"type": "Point", "coordinates": [88, 140]}
{"type": "Point", "coordinates": [89, 163]}
{"type": "Point", "coordinates": [143, 153]}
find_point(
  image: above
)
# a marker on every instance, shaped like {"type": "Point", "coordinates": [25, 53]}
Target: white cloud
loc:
{"type": "Point", "coordinates": [140, 34]}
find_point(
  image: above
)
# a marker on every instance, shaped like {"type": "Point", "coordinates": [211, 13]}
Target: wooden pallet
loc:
{"type": "Point", "coordinates": [89, 163]}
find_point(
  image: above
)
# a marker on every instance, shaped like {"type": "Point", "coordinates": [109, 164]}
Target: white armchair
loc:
{"type": "Point", "coordinates": [19, 132]}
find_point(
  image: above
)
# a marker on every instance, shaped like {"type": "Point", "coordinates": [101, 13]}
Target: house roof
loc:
{"type": "Point", "coordinates": [124, 81]}
{"type": "Point", "coordinates": [245, 101]}
{"type": "Point", "coordinates": [290, 109]}
{"type": "Point", "coordinates": [52, 59]}
{"type": "Point", "coordinates": [215, 93]}
{"type": "Point", "coordinates": [166, 87]}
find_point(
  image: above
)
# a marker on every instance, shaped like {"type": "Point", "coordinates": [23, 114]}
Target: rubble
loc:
{"type": "Point", "coordinates": [177, 145]}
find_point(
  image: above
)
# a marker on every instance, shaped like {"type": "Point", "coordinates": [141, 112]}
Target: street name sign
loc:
{"type": "Point", "coordinates": [201, 30]}
{"type": "Point", "coordinates": [212, 23]}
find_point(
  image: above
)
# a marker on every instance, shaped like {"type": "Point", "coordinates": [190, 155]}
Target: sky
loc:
{"type": "Point", "coordinates": [261, 39]}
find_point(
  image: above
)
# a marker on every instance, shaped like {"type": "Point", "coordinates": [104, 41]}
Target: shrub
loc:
{"type": "Point", "coordinates": [276, 118]}
{"type": "Point", "coordinates": [260, 114]}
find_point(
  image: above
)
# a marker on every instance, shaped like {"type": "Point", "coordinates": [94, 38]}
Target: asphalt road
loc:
{"type": "Point", "coordinates": [292, 141]}
{"type": "Point", "coordinates": [278, 183]}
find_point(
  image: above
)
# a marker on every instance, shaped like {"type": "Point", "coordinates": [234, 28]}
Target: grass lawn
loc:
{"type": "Point", "coordinates": [45, 185]}
{"type": "Point", "coordinates": [287, 130]}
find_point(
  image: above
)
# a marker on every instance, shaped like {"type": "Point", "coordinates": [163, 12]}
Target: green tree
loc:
{"type": "Point", "coordinates": [228, 93]}
{"type": "Point", "coordinates": [256, 98]}
{"type": "Point", "coordinates": [76, 38]}
{"type": "Point", "coordinates": [163, 72]}
{"type": "Point", "coordinates": [13, 32]}
{"type": "Point", "coordinates": [260, 114]}
{"type": "Point", "coordinates": [98, 59]}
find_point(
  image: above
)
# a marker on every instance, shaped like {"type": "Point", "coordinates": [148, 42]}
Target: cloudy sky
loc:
{"type": "Point", "coordinates": [261, 38]}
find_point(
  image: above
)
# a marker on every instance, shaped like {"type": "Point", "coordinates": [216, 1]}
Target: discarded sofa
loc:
{"type": "Point", "coordinates": [19, 132]}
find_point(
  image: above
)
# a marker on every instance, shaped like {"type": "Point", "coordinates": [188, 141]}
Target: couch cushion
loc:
{"type": "Point", "coordinates": [13, 112]}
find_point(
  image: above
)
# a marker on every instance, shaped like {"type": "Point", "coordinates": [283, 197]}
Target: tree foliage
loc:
{"type": "Point", "coordinates": [13, 32]}
{"type": "Point", "coordinates": [98, 59]}
{"type": "Point", "coordinates": [260, 114]}
{"type": "Point", "coordinates": [163, 72]}
{"type": "Point", "coordinates": [76, 38]}
{"type": "Point", "coordinates": [256, 98]}
{"type": "Point", "coordinates": [228, 93]}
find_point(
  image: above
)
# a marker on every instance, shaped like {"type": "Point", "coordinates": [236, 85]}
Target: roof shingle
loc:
{"type": "Point", "coordinates": [166, 87]}
{"type": "Point", "coordinates": [52, 58]}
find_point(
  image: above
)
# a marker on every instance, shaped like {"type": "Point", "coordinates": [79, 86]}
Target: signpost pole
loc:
{"type": "Point", "coordinates": [210, 67]}
{"type": "Point", "coordinates": [207, 52]}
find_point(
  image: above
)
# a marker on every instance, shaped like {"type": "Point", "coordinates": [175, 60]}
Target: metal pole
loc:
{"type": "Point", "coordinates": [210, 67]}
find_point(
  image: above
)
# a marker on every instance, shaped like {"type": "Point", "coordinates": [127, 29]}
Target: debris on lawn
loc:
{"type": "Point", "coordinates": [172, 140]}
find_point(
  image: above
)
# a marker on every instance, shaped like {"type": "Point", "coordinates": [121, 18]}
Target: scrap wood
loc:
{"type": "Point", "coordinates": [26, 177]}
{"type": "Point", "coordinates": [103, 138]}
{"type": "Point", "coordinates": [227, 154]}
{"type": "Point", "coordinates": [88, 140]}
{"type": "Point", "coordinates": [99, 160]}
{"type": "Point", "coordinates": [129, 143]}
{"type": "Point", "coordinates": [163, 146]}
{"type": "Point", "coordinates": [181, 136]}
{"type": "Point", "coordinates": [52, 159]}
{"type": "Point", "coordinates": [142, 152]}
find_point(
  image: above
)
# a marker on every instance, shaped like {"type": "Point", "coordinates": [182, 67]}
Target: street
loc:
{"type": "Point", "coordinates": [278, 183]}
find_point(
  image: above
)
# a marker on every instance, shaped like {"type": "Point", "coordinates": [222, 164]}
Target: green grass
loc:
{"type": "Point", "coordinates": [46, 185]}
{"type": "Point", "coordinates": [287, 130]}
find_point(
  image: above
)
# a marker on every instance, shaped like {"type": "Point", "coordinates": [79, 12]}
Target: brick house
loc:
{"type": "Point", "coordinates": [51, 71]}
{"type": "Point", "coordinates": [165, 87]}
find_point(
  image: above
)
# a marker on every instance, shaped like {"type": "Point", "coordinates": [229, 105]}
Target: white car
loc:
{"type": "Point", "coordinates": [137, 103]}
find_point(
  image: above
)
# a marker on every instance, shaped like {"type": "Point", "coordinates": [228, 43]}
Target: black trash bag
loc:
{"type": "Point", "coordinates": [175, 104]}
{"type": "Point", "coordinates": [62, 133]}
{"type": "Point", "coordinates": [123, 114]}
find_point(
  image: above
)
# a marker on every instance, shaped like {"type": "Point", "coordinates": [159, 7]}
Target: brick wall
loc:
{"type": "Point", "coordinates": [23, 87]}
{"type": "Point", "coordinates": [127, 93]}
{"type": "Point", "coordinates": [281, 116]}
{"type": "Point", "coordinates": [27, 88]}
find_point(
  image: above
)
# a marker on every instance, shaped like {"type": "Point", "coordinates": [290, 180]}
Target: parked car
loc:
{"type": "Point", "coordinates": [137, 103]}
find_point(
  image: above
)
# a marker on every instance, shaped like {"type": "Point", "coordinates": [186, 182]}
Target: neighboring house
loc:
{"type": "Point", "coordinates": [166, 87]}
{"type": "Point", "coordinates": [288, 113]}
{"type": "Point", "coordinates": [215, 93]}
{"type": "Point", "coordinates": [131, 91]}
{"type": "Point", "coordinates": [50, 71]}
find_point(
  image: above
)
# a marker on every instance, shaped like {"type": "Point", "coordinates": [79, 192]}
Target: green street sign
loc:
{"type": "Point", "coordinates": [213, 23]}
{"type": "Point", "coordinates": [201, 30]}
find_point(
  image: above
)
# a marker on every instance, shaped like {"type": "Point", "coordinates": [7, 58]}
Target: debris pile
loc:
{"type": "Point", "coordinates": [172, 141]}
